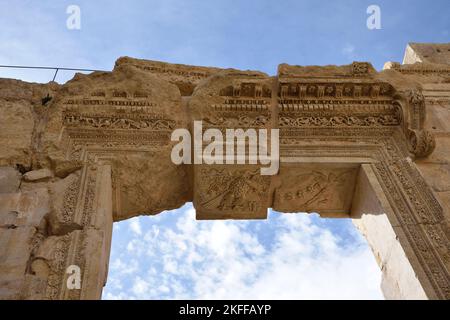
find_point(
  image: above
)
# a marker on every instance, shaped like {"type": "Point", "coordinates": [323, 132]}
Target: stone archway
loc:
{"type": "Point", "coordinates": [353, 143]}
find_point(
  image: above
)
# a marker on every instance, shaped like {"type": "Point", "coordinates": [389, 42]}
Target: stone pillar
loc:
{"type": "Point", "coordinates": [428, 65]}
{"type": "Point", "coordinates": [22, 214]}
{"type": "Point", "coordinates": [370, 211]}
{"type": "Point", "coordinates": [405, 226]}
{"type": "Point", "coordinates": [49, 225]}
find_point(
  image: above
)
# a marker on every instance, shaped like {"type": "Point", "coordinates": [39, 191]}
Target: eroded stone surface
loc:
{"type": "Point", "coordinates": [328, 190]}
{"type": "Point", "coordinates": [75, 157]}
{"type": "Point", "coordinates": [427, 52]}
{"type": "Point", "coordinates": [9, 180]}
{"type": "Point", "coordinates": [232, 99]}
{"type": "Point", "coordinates": [124, 117]}
{"type": "Point", "coordinates": [36, 175]}
{"type": "Point", "coordinates": [185, 77]}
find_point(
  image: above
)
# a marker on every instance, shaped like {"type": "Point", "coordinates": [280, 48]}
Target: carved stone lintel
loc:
{"type": "Point", "coordinates": [239, 193]}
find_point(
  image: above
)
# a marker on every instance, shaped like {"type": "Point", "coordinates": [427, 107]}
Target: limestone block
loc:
{"type": "Point", "coordinates": [373, 216]}
{"type": "Point", "coordinates": [8, 218]}
{"type": "Point", "coordinates": [21, 216]}
{"type": "Point", "coordinates": [37, 175]}
{"type": "Point", "coordinates": [11, 288]}
{"type": "Point", "coordinates": [17, 249]}
{"type": "Point", "coordinates": [64, 197]}
{"type": "Point", "coordinates": [16, 121]}
{"type": "Point", "coordinates": [308, 188]}
{"type": "Point", "coordinates": [125, 117]}
{"type": "Point", "coordinates": [9, 180]}
{"type": "Point", "coordinates": [232, 99]}
{"type": "Point", "coordinates": [35, 287]}
{"type": "Point", "coordinates": [97, 245]}
{"type": "Point", "coordinates": [441, 153]}
{"type": "Point", "coordinates": [185, 77]}
{"type": "Point", "coordinates": [444, 199]}
{"type": "Point", "coordinates": [437, 118]}
{"type": "Point", "coordinates": [437, 175]}
{"type": "Point", "coordinates": [427, 52]}
{"type": "Point", "coordinates": [45, 250]}
{"type": "Point", "coordinates": [63, 168]}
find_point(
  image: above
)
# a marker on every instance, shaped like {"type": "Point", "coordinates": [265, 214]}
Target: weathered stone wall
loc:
{"type": "Point", "coordinates": [372, 215]}
{"type": "Point", "coordinates": [429, 65]}
{"type": "Point", "coordinates": [353, 143]}
{"type": "Point", "coordinates": [42, 233]}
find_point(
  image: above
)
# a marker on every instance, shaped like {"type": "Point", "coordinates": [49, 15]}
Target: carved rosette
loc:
{"type": "Point", "coordinates": [361, 68]}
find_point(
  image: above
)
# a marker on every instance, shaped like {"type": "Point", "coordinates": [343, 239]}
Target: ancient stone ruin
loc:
{"type": "Point", "coordinates": [354, 142]}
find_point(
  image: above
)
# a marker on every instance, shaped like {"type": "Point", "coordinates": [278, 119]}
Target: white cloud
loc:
{"type": "Point", "coordinates": [140, 286]}
{"type": "Point", "coordinates": [135, 226]}
{"type": "Point", "coordinates": [36, 35]}
{"type": "Point", "coordinates": [120, 267]}
{"type": "Point", "coordinates": [349, 51]}
{"type": "Point", "coordinates": [287, 257]}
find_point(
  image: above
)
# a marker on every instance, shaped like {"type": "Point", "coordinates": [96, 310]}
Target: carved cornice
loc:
{"type": "Point", "coordinates": [336, 104]}
{"type": "Point", "coordinates": [333, 89]}
{"type": "Point", "coordinates": [340, 101]}
{"type": "Point", "coordinates": [247, 89]}
{"type": "Point", "coordinates": [117, 121]}
{"type": "Point", "coordinates": [244, 105]}
{"type": "Point", "coordinates": [419, 69]}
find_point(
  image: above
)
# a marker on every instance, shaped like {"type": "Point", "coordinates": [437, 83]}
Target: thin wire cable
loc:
{"type": "Point", "coordinates": [50, 68]}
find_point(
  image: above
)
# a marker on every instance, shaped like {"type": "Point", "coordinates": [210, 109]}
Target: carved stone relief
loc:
{"type": "Point", "coordinates": [105, 138]}
{"type": "Point", "coordinates": [326, 190]}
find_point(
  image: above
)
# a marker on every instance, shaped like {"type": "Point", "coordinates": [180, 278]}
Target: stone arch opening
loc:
{"type": "Point", "coordinates": [286, 256]}
{"type": "Point", "coordinates": [99, 151]}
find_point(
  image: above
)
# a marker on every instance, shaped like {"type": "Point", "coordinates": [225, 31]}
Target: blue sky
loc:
{"type": "Point", "coordinates": [288, 256]}
{"type": "Point", "coordinates": [170, 256]}
{"type": "Point", "coordinates": [251, 34]}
